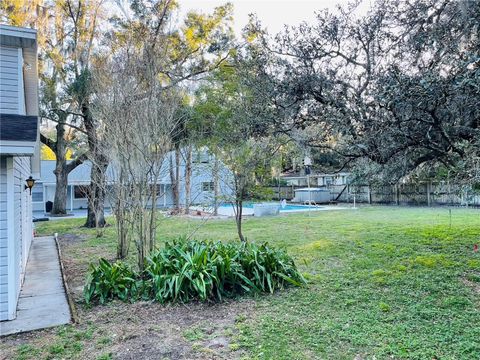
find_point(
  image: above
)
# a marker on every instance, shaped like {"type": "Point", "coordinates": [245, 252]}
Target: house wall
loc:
{"type": "Point", "coordinates": [3, 240]}
{"type": "Point", "coordinates": [23, 218]}
{"type": "Point", "coordinates": [203, 173]}
{"type": "Point", "coordinates": [15, 230]}
{"type": "Point", "coordinates": [165, 198]}
{"type": "Point", "coordinates": [11, 81]}
{"type": "Point", "coordinates": [319, 179]}
{"type": "Point", "coordinates": [30, 80]}
{"type": "Point", "coordinates": [338, 179]}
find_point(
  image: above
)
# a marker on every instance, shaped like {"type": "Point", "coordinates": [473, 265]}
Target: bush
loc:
{"type": "Point", "coordinates": [192, 270]}
{"type": "Point", "coordinates": [268, 268]}
{"type": "Point", "coordinates": [108, 281]}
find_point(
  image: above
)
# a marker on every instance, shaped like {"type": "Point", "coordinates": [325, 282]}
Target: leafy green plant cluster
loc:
{"type": "Point", "coordinates": [107, 281]}
{"type": "Point", "coordinates": [187, 270]}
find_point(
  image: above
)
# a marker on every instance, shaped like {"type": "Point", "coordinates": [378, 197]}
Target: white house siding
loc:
{"type": "Point", "coordinates": [18, 96]}
{"type": "Point", "coordinates": [11, 83]}
{"type": "Point", "coordinates": [23, 222]}
{"type": "Point", "coordinates": [14, 170]}
{"type": "Point", "coordinates": [3, 240]}
{"type": "Point", "coordinates": [203, 173]}
{"type": "Point", "coordinates": [30, 81]}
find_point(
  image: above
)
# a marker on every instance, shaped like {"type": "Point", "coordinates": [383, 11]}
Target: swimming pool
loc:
{"type": "Point", "coordinates": [287, 208]}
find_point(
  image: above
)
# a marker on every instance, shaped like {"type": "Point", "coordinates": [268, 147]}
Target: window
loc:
{"type": "Point", "coordinates": [208, 186]}
{"type": "Point", "coordinates": [157, 189]}
{"type": "Point", "coordinates": [201, 157]}
{"type": "Point", "coordinates": [80, 191]}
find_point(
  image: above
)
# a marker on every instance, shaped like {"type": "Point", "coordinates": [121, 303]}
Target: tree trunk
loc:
{"type": "Point", "coordinates": [175, 179]}
{"type": "Point", "coordinates": [188, 177]}
{"type": "Point", "coordinates": [61, 177]}
{"type": "Point", "coordinates": [61, 183]}
{"type": "Point", "coordinates": [122, 231]}
{"type": "Point", "coordinates": [120, 209]}
{"type": "Point", "coordinates": [152, 226]}
{"type": "Point", "coordinates": [238, 218]}
{"type": "Point", "coordinates": [62, 168]}
{"type": "Point", "coordinates": [215, 186]}
{"type": "Point", "coordinates": [96, 194]}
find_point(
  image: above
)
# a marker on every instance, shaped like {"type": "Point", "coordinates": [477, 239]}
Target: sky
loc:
{"type": "Point", "coordinates": [273, 14]}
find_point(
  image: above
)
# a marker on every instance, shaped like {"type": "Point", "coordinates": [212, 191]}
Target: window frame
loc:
{"type": "Point", "coordinates": [80, 188]}
{"type": "Point", "coordinates": [208, 188]}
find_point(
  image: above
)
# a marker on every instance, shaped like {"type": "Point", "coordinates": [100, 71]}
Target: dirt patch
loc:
{"type": "Point", "coordinates": [151, 347]}
{"type": "Point", "coordinates": [144, 330]}
{"type": "Point", "coordinates": [472, 281]}
{"type": "Point", "coordinates": [71, 239]}
{"type": "Point", "coordinates": [147, 330]}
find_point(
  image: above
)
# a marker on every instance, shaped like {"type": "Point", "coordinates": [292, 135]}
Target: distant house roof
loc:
{"type": "Point", "coordinates": [18, 127]}
{"type": "Point", "coordinates": [78, 176]}
{"type": "Point", "coordinates": [17, 36]}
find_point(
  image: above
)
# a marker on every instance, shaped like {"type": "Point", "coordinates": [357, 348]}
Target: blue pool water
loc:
{"type": "Point", "coordinates": [299, 207]}
{"type": "Point", "coordinates": [288, 207]}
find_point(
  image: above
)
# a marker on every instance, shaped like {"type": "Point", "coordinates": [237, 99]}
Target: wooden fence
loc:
{"type": "Point", "coordinates": [422, 194]}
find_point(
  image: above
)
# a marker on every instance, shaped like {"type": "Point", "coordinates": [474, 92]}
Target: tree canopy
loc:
{"type": "Point", "coordinates": [397, 88]}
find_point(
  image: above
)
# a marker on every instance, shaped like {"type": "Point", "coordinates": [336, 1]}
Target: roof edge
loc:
{"type": "Point", "coordinates": [18, 31]}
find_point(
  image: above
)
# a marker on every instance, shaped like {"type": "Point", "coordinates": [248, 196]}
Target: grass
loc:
{"type": "Point", "coordinates": [383, 281]}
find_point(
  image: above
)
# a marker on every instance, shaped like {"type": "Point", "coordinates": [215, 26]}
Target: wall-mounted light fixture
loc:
{"type": "Point", "coordinates": [30, 182]}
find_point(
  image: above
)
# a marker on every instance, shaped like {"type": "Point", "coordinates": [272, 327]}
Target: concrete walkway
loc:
{"type": "Point", "coordinates": [43, 302]}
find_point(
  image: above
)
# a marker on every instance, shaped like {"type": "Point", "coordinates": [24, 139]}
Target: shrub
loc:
{"type": "Point", "coordinates": [268, 268]}
{"type": "Point", "coordinates": [107, 281]}
{"type": "Point", "coordinates": [196, 270]}
{"type": "Point", "coordinates": [185, 270]}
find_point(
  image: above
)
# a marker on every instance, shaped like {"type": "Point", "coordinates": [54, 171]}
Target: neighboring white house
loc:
{"type": "Point", "coordinates": [19, 158]}
{"type": "Point", "coordinates": [202, 183]}
{"type": "Point", "coordinates": [341, 178]}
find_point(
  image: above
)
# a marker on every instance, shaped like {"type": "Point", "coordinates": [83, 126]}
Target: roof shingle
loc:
{"type": "Point", "coordinates": [18, 127]}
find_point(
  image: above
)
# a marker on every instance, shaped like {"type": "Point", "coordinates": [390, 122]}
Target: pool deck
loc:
{"type": "Point", "coordinates": [42, 302]}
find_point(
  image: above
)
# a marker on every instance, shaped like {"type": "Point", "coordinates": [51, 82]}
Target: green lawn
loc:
{"type": "Point", "coordinates": [383, 281]}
